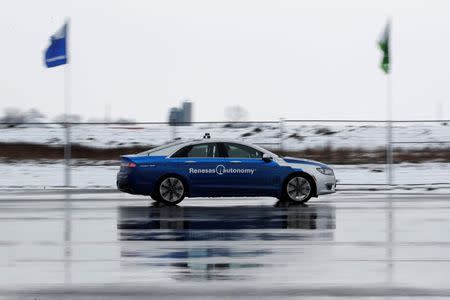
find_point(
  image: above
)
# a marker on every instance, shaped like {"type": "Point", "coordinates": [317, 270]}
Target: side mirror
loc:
{"type": "Point", "coordinates": [267, 158]}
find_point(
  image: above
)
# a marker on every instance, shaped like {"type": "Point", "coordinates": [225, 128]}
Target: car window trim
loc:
{"type": "Point", "coordinates": [192, 145]}
{"type": "Point", "coordinates": [222, 142]}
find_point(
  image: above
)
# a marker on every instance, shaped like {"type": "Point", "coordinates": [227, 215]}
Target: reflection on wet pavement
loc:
{"type": "Point", "coordinates": [228, 223]}
{"type": "Point", "coordinates": [356, 245]}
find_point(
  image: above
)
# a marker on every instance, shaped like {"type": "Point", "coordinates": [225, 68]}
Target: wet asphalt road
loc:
{"type": "Point", "coordinates": [105, 246]}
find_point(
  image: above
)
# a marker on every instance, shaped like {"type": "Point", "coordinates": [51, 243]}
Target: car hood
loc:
{"type": "Point", "coordinates": [294, 160]}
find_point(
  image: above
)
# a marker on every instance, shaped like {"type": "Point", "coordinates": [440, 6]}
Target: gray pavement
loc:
{"type": "Point", "coordinates": [103, 246]}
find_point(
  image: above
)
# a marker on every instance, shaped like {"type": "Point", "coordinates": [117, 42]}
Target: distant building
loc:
{"type": "Point", "coordinates": [174, 116]}
{"type": "Point", "coordinates": [186, 108]}
{"type": "Point", "coordinates": [181, 115]}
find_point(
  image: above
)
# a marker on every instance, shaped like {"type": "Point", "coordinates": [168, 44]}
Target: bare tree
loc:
{"type": "Point", "coordinates": [14, 116]}
{"type": "Point", "coordinates": [34, 116]}
{"type": "Point", "coordinates": [236, 113]}
{"type": "Point", "coordinates": [71, 118]}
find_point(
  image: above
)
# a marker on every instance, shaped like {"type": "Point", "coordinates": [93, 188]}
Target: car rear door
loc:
{"type": "Point", "coordinates": [198, 162]}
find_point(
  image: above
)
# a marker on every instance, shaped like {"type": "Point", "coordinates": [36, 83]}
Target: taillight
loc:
{"type": "Point", "coordinates": [128, 165]}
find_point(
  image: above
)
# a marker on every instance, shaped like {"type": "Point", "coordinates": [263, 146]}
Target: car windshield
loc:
{"type": "Point", "coordinates": [257, 147]}
{"type": "Point", "coordinates": [162, 150]}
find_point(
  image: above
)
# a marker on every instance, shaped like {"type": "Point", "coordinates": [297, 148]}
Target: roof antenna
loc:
{"type": "Point", "coordinates": [207, 136]}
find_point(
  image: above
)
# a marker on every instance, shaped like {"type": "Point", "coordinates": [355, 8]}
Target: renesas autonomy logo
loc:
{"type": "Point", "coordinates": [220, 170]}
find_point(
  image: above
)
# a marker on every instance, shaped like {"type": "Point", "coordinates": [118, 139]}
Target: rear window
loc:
{"type": "Point", "coordinates": [163, 150]}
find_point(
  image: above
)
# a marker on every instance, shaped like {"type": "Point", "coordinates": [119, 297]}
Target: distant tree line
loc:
{"type": "Point", "coordinates": [14, 117]}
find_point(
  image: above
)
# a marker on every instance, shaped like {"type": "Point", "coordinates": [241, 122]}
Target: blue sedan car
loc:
{"type": "Point", "coordinates": [221, 168]}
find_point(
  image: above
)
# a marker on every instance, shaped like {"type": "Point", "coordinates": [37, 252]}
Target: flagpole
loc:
{"type": "Point", "coordinates": [390, 179]}
{"type": "Point", "coordinates": [385, 46]}
{"type": "Point", "coordinates": [389, 108]}
{"type": "Point", "coordinates": [67, 91]}
{"type": "Point", "coordinates": [389, 150]}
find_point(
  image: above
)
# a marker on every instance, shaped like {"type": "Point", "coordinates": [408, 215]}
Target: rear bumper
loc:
{"type": "Point", "coordinates": [123, 184]}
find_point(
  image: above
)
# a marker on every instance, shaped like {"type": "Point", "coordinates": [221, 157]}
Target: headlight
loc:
{"type": "Point", "coordinates": [325, 171]}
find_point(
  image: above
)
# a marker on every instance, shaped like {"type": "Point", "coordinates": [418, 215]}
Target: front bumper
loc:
{"type": "Point", "coordinates": [326, 184]}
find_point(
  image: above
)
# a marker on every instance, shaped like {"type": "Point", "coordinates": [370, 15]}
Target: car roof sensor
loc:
{"type": "Point", "coordinates": [207, 136]}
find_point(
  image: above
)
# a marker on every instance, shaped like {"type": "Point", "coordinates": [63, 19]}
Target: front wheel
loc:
{"type": "Point", "coordinates": [298, 188]}
{"type": "Point", "coordinates": [171, 190]}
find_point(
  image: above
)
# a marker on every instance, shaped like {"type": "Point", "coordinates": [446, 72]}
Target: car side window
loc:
{"type": "Point", "coordinates": [241, 151]}
{"type": "Point", "coordinates": [199, 150]}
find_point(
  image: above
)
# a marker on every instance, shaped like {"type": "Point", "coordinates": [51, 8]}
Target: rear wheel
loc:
{"type": "Point", "coordinates": [298, 188]}
{"type": "Point", "coordinates": [171, 190]}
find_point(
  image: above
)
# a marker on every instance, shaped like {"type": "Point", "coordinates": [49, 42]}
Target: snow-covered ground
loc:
{"type": "Point", "coordinates": [50, 175]}
{"type": "Point", "coordinates": [296, 136]}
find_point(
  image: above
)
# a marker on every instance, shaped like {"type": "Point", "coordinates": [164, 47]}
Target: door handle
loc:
{"type": "Point", "coordinates": [190, 161]}
{"type": "Point", "coordinates": [235, 161]}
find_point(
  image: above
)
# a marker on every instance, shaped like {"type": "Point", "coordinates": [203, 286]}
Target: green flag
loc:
{"type": "Point", "coordinates": [384, 44]}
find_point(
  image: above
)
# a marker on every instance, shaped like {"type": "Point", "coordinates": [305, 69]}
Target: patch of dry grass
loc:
{"type": "Point", "coordinates": [328, 154]}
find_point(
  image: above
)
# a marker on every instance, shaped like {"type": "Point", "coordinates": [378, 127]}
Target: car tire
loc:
{"type": "Point", "coordinates": [298, 188]}
{"type": "Point", "coordinates": [170, 190]}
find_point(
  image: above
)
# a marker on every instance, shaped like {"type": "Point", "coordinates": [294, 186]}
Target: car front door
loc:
{"type": "Point", "coordinates": [245, 172]}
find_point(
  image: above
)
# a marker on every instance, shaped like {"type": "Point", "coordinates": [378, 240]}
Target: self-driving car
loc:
{"type": "Point", "coordinates": [221, 168]}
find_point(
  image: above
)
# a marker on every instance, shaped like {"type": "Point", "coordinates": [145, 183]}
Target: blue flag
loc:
{"type": "Point", "coordinates": [56, 53]}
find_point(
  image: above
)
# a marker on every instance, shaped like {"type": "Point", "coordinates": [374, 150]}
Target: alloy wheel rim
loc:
{"type": "Point", "coordinates": [298, 188]}
{"type": "Point", "coordinates": [171, 189]}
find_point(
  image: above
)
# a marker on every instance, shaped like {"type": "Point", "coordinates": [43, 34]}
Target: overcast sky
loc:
{"type": "Point", "coordinates": [291, 59]}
